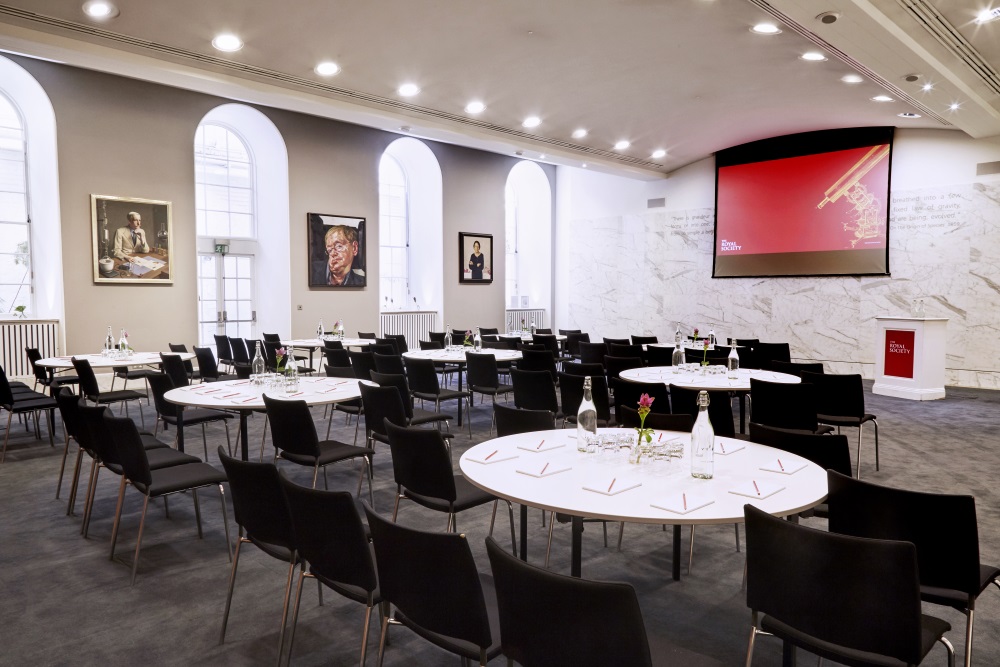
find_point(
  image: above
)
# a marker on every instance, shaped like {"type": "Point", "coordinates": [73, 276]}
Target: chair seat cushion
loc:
{"type": "Point", "coordinates": [178, 478]}
{"type": "Point", "coordinates": [930, 629]}
{"type": "Point", "coordinates": [115, 396]}
{"type": "Point", "coordinates": [193, 416]}
{"type": "Point", "coordinates": [134, 373]}
{"type": "Point", "coordinates": [442, 395]}
{"type": "Point", "coordinates": [165, 457]}
{"type": "Point", "coordinates": [955, 598]}
{"type": "Point", "coordinates": [330, 451]}
{"type": "Point", "coordinates": [278, 551]}
{"type": "Point", "coordinates": [149, 441]}
{"type": "Point", "coordinates": [421, 416]}
{"type": "Point", "coordinates": [466, 497]}
{"type": "Point", "coordinates": [492, 391]}
{"type": "Point", "coordinates": [30, 405]}
{"type": "Point", "coordinates": [838, 420]}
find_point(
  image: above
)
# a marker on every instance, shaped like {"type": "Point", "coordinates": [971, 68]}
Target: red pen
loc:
{"type": "Point", "coordinates": [540, 444]}
{"type": "Point", "coordinates": [684, 497]}
{"type": "Point", "coordinates": [612, 484]}
{"type": "Point", "coordinates": [755, 487]}
{"type": "Point", "coordinates": [722, 447]}
{"type": "Point", "coordinates": [659, 437]}
{"type": "Point", "coordinates": [491, 455]}
{"type": "Point", "coordinates": [781, 466]}
{"type": "Point", "coordinates": [544, 469]}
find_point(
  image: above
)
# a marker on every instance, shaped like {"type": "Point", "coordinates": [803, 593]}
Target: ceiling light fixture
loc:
{"type": "Point", "coordinates": [408, 89]}
{"type": "Point", "coordinates": [882, 98]}
{"type": "Point", "coordinates": [541, 156]}
{"type": "Point", "coordinates": [100, 9]}
{"type": "Point", "coordinates": [954, 106]}
{"type": "Point", "coordinates": [658, 153]}
{"type": "Point", "coordinates": [852, 78]}
{"type": "Point", "coordinates": [908, 114]}
{"type": "Point", "coordinates": [766, 29]}
{"type": "Point", "coordinates": [829, 17]}
{"type": "Point", "coordinates": [579, 133]}
{"type": "Point", "coordinates": [531, 121]}
{"type": "Point", "coordinates": [622, 145]}
{"type": "Point", "coordinates": [584, 165]}
{"type": "Point", "coordinates": [227, 42]}
{"type": "Point", "coordinates": [475, 107]}
{"type": "Point", "coordinates": [988, 15]}
{"type": "Point", "coordinates": [927, 87]}
{"type": "Point", "coordinates": [327, 68]}
{"type": "Point", "coordinates": [813, 56]}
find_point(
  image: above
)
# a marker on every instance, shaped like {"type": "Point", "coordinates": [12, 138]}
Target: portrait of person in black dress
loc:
{"type": "Point", "coordinates": [477, 261]}
{"type": "Point", "coordinates": [475, 258]}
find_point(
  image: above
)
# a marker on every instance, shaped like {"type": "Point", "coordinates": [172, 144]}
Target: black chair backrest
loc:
{"type": "Point", "coordinates": [534, 390]}
{"type": "Point", "coordinates": [545, 621]}
{"type": "Point", "coordinates": [783, 405]}
{"type": "Point", "coordinates": [160, 384]}
{"type": "Point", "coordinates": [435, 337]}
{"type": "Point", "coordinates": [125, 439]}
{"type": "Point", "coordinates": [337, 357]}
{"type": "Point", "coordinates": [488, 331]}
{"type": "Point", "coordinates": [329, 534]}
{"type": "Point", "coordinates": [644, 340]}
{"type": "Point", "coordinates": [381, 404]}
{"type": "Point", "coordinates": [333, 345]}
{"type": "Point", "coordinates": [580, 368]}
{"type": "Point", "coordinates": [177, 347]}
{"type": "Point", "coordinates": [627, 393]}
{"type": "Point", "coordinates": [251, 346]}
{"type": "Point", "coordinates": [69, 410]}
{"type": "Point", "coordinates": [92, 433]}
{"type": "Point", "coordinates": [258, 501]}
{"type": "Point", "coordinates": [421, 462]}
{"type": "Point", "coordinates": [746, 350]}
{"type": "Point", "coordinates": [243, 371]}
{"type": "Point", "coordinates": [431, 578]}
{"type": "Point", "coordinates": [616, 350]}
{"type": "Point", "coordinates": [270, 352]}
{"type": "Point", "coordinates": [538, 360]}
{"type": "Point", "coordinates": [511, 421]}
{"type": "Point", "coordinates": [796, 368]}
{"type": "Point", "coordinates": [767, 353]}
{"type": "Point", "coordinates": [431, 344]}
{"type": "Point", "coordinates": [573, 340]}
{"type": "Point", "coordinates": [571, 392]}
{"type": "Point", "coordinates": [659, 356]}
{"type": "Point", "coordinates": [837, 395]}
{"type": "Point", "coordinates": [849, 591]}
{"type": "Point", "coordinates": [830, 452]}
{"type": "Point", "coordinates": [292, 427]}
{"type": "Point", "coordinates": [88, 381]}
{"type": "Point", "coordinates": [700, 354]}
{"type": "Point", "coordinates": [550, 342]}
{"type": "Point", "coordinates": [615, 365]}
{"type": "Point", "coordinates": [481, 371]}
{"type": "Point", "coordinates": [271, 338]}
{"type": "Point", "coordinates": [389, 363]}
{"type": "Point", "coordinates": [539, 330]}
{"type": "Point", "coordinates": [223, 348]}
{"type": "Point", "coordinates": [501, 344]}
{"type": "Point", "coordinates": [383, 348]}
{"type": "Point", "coordinates": [238, 347]}
{"type": "Point", "coordinates": [422, 375]}
{"type": "Point", "coordinates": [659, 421]}
{"type": "Point", "coordinates": [366, 336]}
{"type": "Point", "coordinates": [400, 339]}
{"type": "Point", "coordinates": [593, 353]}
{"type": "Point", "coordinates": [391, 343]}
{"type": "Point", "coordinates": [397, 380]}
{"type": "Point", "coordinates": [34, 355]}
{"type": "Point", "coordinates": [617, 341]}
{"type": "Point", "coordinates": [566, 332]}
{"type": "Point", "coordinates": [942, 527]}
{"type": "Point", "coordinates": [720, 407]}
{"type": "Point", "coordinates": [340, 371]}
{"type": "Point", "coordinates": [207, 366]}
{"type": "Point", "coordinates": [363, 362]}
{"type": "Point", "coordinates": [531, 347]}
{"type": "Point", "coordinates": [174, 367]}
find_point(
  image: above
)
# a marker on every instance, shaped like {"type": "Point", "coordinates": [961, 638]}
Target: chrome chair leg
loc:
{"type": "Point", "coordinates": [118, 516]}
{"type": "Point", "coordinates": [295, 617]}
{"type": "Point", "coordinates": [232, 584]}
{"type": "Point", "coordinates": [197, 512]}
{"type": "Point", "coordinates": [138, 541]}
{"type": "Point", "coordinates": [284, 610]}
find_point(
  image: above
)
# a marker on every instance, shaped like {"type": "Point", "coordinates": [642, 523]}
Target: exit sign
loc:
{"type": "Point", "coordinates": [221, 248]}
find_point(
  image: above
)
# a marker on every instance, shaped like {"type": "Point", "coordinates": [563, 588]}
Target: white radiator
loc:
{"type": "Point", "coordinates": [414, 324]}
{"type": "Point", "coordinates": [19, 334]}
{"type": "Point", "coordinates": [513, 318]}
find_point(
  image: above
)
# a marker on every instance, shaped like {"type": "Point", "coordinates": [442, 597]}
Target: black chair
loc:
{"type": "Point", "coordinates": [656, 420]}
{"type": "Point", "coordinates": [571, 392]}
{"type": "Point", "coordinates": [69, 410]}
{"type": "Point", "coordinates": [126, 373]}
{"type": "Point", "coordinates": [580, 368]}
{"type": "Point", "coordinates": [432, 581]}
{"type": "Point", "coordinates": [943, 529]}
{"type": "Point", "coordinates": [539, 360]}
{"type": "Point", "coordinates": [294, 437]}
{"type": "Point", "coordinates": [276, 338]}
{"type": "Point", "coordinates": [381, 405]}
{"type": "Point", "coordinates": [534, 390]}
{"type": "Point", "coordinates": [593, 353]}
{"type": "Point", "coordinates": [551, 343]}
{"type": "Point", "coordinates": [264, 520]}
{"type": "Point", "coordinates": [434, 337]}
{"type": "Point", "coordinates": [848, 599]}
{"type": "Point", "coordinates": [627, 393]}
{"type": "Point", "coordinates": [208, 368]}
{"type": "Point", "coordinates": [25, 403]}
{"type": "Point", "coordinates": [333, 345]}
{"type": "Point", "coordinates": [767, 353]}
{"type": "Point", "coordinates": [684, 401]}
{"type": "Point", "coordinates": [483, 376]}
{"type": "Point", "coordinates": [167, 412]}
{"type": "Point", "coordinates": [616, 365]}
{"type": "Point", "coordinates": [659, 356]}
{"type": "Point", "coordinates": [337, 356]}
{"type": "Point", "coordinates": [511, 421]}
{"type": "Point", "coordinates": [414, 416]}
{"type": "Point", "coordinates": [390, 343]}
{"type": "Point", "coordinates": [389, 363]}
{"type": "Point", "coordinates": [747, 351]}
{"type": "Point", "coordinates": [543, 331]}
{"type": "Point", "coordinates": [174, 368]}
{"type": "Point", "coordinates": [157, 483]}
{"type": "Point", "coordinates": [840, 401]}
{"type": "Point", "coordinates": [566, 332]}
{"type": "Point", "coordinates": [488, 331]}
{"type": "Point", "coordinates": [350, 408]}
{"type": "Point", "coordinates": [553, 619]}
{"type": "Point", "coordinates": [784, 405]}
{"type": "Point", "coordinates": [383, 348]}
{"type": "Point", "coordinates": [422, 376]}
{"type": "Point", "coordinates": [617, 341]}
{"type": "Point", "coordinates": [796, 368]}
{"type": "Point", "coordinates": [180, 348]}
{"type": "Point", "coordinates": [444, 369]}
{"type": "Point", "coordinates": [644, 340]}
{"type": "Point", "coordinates": [331, 540]}
{"type": "Point", "coordinates": [224, 349]}
{"type": "Point", "coordinates": [241, 355]}
{"type": "Point", "coordinates": [363, 363]}
{"type": "Point", "coordinates": [90, 389]}
{"type": "Point", "coordinates": [46, 377]}
{"type": "Point", "coordinates": [713, 357]}
{"type": "Point", "coordinates": [270, 350]}
{"type": "Point", "coordinates": [616, 350]}
{"type": "Point", "coordinates": [366, 335]}
{"type": "Point", "coordinates": [573, 341]}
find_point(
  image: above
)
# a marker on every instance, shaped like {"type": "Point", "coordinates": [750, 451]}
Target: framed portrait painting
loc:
{"type": "Point", "coordinates": [475, 258]}
{"type": "Point", "coordinates": [132, 240]}
{"type": "Point", "coordinates": [336, 251]}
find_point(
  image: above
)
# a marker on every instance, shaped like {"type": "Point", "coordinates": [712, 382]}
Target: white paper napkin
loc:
{"type": "Point", "coordinates": [496, 458]}
{"type": "Point", "coordinates": [725, 449]}
{"type": "Point", "coordinates": [760, 491]}
{"type": "Point", "coordinates": [544, 448]}
{"type": "Point", "coordinates": [549, 471]}
{"type": "Point", "coordinates": [682, 503]}
{"type": "Point", "coordinates": [607, 487]}
{"type": "Point", "coordinates": [789, 466]}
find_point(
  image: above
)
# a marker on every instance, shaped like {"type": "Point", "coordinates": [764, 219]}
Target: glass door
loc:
{"type": "Point", "coordinates": [226, 303]}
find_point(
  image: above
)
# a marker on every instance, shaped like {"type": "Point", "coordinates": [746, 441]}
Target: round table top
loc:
{"type": "Point", "coordinates": [317, 343]}
{"type": "Point", "coordinates": [696, 380]}
{"type": "Point", "coordinates": [457, 354]}
{"type": "Point", "coordinates": [98, 361]}
{"type": "Point", "coordinates": [241, 395]}
{"type": "Point", "coordinates": [526, 337]}
{"type": "Point", "coordinates": [666, 484]}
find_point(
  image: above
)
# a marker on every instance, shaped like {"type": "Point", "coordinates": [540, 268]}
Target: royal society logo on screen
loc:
{"type": "Point", "coordinates": [729, 246]}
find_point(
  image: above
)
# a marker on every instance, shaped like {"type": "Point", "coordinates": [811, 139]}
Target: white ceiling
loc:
{"type": "Point", "coordinates": [684, 75]}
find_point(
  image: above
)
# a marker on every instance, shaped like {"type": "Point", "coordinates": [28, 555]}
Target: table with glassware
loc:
{"type": "Point", "coordinates": [246, 396]}
{"type": "Point", "coordinates": [714, 376]}
{"type": "Point", "coordinates": [527, 337]}
{"type": "Point", "coordinates": [114, 359]}
{"type": "Point", "coordinates": [313, 344]}
{"type": "Point", "coordinates": [548, 470]}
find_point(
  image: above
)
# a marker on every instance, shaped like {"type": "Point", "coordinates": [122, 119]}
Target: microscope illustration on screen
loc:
{"type": "Point", "coordinates": [865, 222]}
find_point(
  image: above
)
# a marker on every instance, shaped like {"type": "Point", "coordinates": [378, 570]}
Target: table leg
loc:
{"type": "Point", "coordinates": [743, 413]}
{"type": "Point", "coordinates": [524, 533]}
{"type": "Point", "coordinates": [787, 654]}
{"type": "Point", "coordinates": [576, 546]}
{"type": "Point", "coordinates": [244, 438]}
{"type": "Point", "coordinates": [460, 391]}
{"type": "Point", "coordinates": [677, 553]}
{"type": "Point", "coordinates": [180, 428]}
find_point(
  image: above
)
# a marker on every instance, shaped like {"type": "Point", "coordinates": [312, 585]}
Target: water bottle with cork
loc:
{"type": "Point", "coordinates": [109, 343]}
{"type": "Point", "coordinates": [703, 442]}
{"type": "Point", "coordinates": [477, 341]}
{"type": "Point", "coordinates": [257, 366]}
{"type": "Point", "coordinates": [732, 363]}
{"type": "Point", "coordinates": [447, 336]}
{"type": "Point", "coordinates": [586, 417]}
{"type": "Point", "coordinates": [320, 331]}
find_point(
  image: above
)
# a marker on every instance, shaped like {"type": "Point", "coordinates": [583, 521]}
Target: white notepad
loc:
{"type": "Point", "coordinates": [680, 503]}
{"type": "Point", "coordinates": [761, 491]}
{"type": "Point", "coordinates": [620, 486]}
{"type": "Point", "coordinates": [496, 458]}
{"type": "Point", "coordinates": [551, 470]}
{"type": "Point", "coordinates": [725, 449]}
{"type": "Point", "coordinates": [788, 466]}
{"type": "Point", "coordinates": [548, 446]}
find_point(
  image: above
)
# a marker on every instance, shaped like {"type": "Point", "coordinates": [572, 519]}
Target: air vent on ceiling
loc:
{"type": "Point", "coordinates": [659, 202]}
{"type": "Point", "coordinates": [987, 168]}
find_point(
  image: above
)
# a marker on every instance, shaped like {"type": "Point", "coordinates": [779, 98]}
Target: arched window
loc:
{"type": "Point", "coordinates": [223, 177]}
{"type": "Point", "coordinates": [394, 235]}
{"type": "Point", "coordinates": [15, 232]}
{"type": "Point", "coordinates": [528, 237]}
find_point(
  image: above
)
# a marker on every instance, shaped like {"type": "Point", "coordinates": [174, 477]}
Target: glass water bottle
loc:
{"type": "Point", "coordinates": [122, 342]}
{"type": "Point", "coordinates": [257, 367]}
{"type": "Point", "coordinates": [447, 336]}
{"type": "Point", "coordinates": [109, 342]}
{"type": "Point", "coordinates": [586, 418]}
{"type": "Point", "coordinates": [732, 363]}
{"type": "Point", "coordinates": [477, 341]}
{"type": "Point", "coordinates": [677, 358]}
{"type": "Point", "coordinates": [702, 442]}
{"type": "Point", "coordinates": [320, 331]}
{"type": "Point", "coordinates": [677, 335]}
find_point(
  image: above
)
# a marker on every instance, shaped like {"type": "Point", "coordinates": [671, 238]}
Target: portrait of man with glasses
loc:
{"type": "Point", "coordinates": [338, 261]}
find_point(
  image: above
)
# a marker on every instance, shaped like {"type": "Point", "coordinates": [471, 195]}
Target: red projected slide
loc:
{"type": "Point", "coordinates": [830, 201]}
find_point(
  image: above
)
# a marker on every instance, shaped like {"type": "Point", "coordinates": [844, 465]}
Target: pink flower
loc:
{"type": "Point", "coordinates": [280, 351]}
{"type": "Point", "coordinates": [645, 401]}
{"type": "Point", "coordinates": [695, 333]}
{"type": "Point", "coordinates": [706, 343]}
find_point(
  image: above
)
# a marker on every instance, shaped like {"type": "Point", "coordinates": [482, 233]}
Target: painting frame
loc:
{"type": "Point", "coordinates": [466, 271]}
{"type": "Point", "coordinates": [114, 258]}
{"type": "Point", "coordinates": [321, 275]}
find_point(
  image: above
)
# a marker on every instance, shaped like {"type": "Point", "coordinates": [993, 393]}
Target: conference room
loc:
{"type": "Point", "coordinates": [448, 218]}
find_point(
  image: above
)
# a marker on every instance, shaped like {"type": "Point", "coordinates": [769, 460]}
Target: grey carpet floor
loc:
{"type": "Point", "coordinates": [64, 602]}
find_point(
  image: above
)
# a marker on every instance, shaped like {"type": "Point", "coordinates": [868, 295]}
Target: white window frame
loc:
{"type": "Point", "coordinates": [384, 271]}
{"type": "Point", "coordinates": [29, 278]}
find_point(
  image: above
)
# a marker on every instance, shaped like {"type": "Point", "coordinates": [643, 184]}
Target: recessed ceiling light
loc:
{"type": "Point", "coordinates": [475, 107]}
{"type": "Point", "coordinates": [327, 68]}
{"type": "Point", "coordinates": [541, 156]}
{"type": "Point", "coordinates": [852, 78]}
{"type": "Point", "coordinates": [813, 56]}
{"type": "Point", "coordinates": [882, 98]}
{"type": "Point", "coordinates": [579, 133]}
{"type": "Point", "coordinates": [584, 165]}
{"type": "Point", "coordinates": [908, 114]}
{"type": "Point", "coordinates": [405, 128]}
{"type": "Point", "coordinates": [100, 9]}
{"type": "Point", "coordinates": [766, 29]}
{"type": "Point", "coordinates": [227, 42]}
{"type": "Point", "coordinates": [954, 106]}
{"type": "Point", "coordinates": [531, 121]}
{"type": "Point", "coordinates": [658, 153]}
{"type": "Point", "coordinates": [622, 145]}
{"type": "Point", "coordinates": [988, 15]}
{"type": "Point", "coordinates": [927, 87]}
{"type": "Point", "coordinates": [408, 89]}
{"type": "Point", "coordinates": [519, 153]}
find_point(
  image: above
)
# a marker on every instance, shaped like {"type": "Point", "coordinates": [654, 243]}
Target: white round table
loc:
{"type": "Point", "coordinates": [243, 397]}
{"type": "Point", "coordinates": [513, 475]}
{"type": "Point", "coordinates": [99, 362]}
{"type": "Point", "coordinates": [527, 338]}
{"type": "Point", "coordinates": [740, 386]}
{"type": "Point", "coordinates": [313, 344]}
